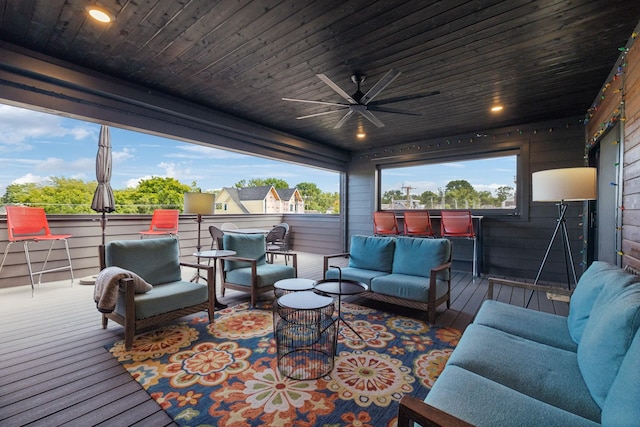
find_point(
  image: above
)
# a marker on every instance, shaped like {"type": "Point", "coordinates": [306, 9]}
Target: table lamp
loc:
{"type": "Point", "coordinates": [560, 186]}
{"type": "Point", "coordinates": [200, 204]}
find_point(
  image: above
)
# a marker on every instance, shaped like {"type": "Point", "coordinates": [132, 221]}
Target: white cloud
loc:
{"type": "Point", "coordinates": [31, 179]}
{"type": "Point", "coordinates": [19, 125]}
{"type": "Point", "coordinates": [195, 151]}
{"type": "Point", "coordinates": [58, 166]}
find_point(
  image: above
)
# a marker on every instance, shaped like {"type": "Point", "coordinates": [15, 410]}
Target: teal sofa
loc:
{"type": "Point", "coordinates": [408, 271]}
{"type": "Point", "coordinates": [520, 367]}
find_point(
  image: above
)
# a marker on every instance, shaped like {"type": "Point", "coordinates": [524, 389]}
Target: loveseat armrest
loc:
{"type": "Point", "coordinates": [293, 256]}
{"type": "Point", "coordinates": [412, 409]}
{"type": "Point", "coordinates": [522, 285]}
{"type": "Point", "coordinates": [441, 267]}
{"type": "Point", "coordinates": [330, 256]}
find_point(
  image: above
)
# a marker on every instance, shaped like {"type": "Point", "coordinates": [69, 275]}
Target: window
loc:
{"type": "Point", "coordinates": [486, 184]}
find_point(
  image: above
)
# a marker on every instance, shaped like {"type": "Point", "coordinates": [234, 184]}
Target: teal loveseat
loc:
{"type": "Point", "coordinates": [520, 367]}
{"type": "Point", "coordinates": [413, 272]}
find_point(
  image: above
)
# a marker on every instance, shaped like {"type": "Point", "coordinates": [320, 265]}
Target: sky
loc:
{"type": "Point", "coordinates": [35, 146]}
{"type": "Point", "coordinates": [486, 174]}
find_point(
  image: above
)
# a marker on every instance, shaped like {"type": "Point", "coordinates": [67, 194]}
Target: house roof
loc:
{"type": "Point", "coordinates": [541, 60]}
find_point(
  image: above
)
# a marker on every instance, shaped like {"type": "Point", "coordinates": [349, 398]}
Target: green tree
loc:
{"type": "Point", "coordinates": [390, 195]}
{"type": "Point", "coordinates": [60, 195]}
{"type": "Point", "coordinates": [504, 192]}
{"type": "Point", "coordinates": [429, 199]}
{"type": "Point", "coordinates": [461, 194]}
{"type": "Point", "coordinates": [158, 193]}
{"type": "Point", "coordinates": [259, 182]}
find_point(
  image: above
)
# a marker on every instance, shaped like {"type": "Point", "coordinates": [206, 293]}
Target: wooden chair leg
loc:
{"type": "Point", "coordinates": [105, 321]}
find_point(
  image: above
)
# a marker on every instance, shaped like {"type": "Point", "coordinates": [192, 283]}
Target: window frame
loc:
{"type": "Point", "coordinates": [521, 185]}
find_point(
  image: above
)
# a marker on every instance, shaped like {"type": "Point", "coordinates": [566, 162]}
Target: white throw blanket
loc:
{"type": "Point", "coordinates": [107, 287]}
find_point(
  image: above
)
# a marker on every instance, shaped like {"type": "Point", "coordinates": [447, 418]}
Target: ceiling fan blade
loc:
{"type": "Point", "coordinates": [308, 101]}
{"type": "Point", "coordinates": [343, 119]}
{"type": "Point", "coordinates": [385, 81]}
{"type": "Point", "coordinates": [404, 98]}
{"type": "Point", "coordinates": [392, 110]}
{"type": "Point", "coordinates": [373, 119]}
{"type": "Point", "coordinates": [337, 88]}
{"type": "Point", "coordinates": [318, 114]}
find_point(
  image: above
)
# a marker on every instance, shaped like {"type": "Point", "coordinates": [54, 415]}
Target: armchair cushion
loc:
{"type": "Point", "coordinates": [415, 288]}
{"type": "Point", "coordinates": [591, 284]}
{"type": "Point", "coordinates": [155, 260]}
{"type": "Point", "coordinates": [164, 298]}
{"type": "Point", "coordinates": [246, 246]}
{"type": "Point", "coordinates": [266, 274]}
{"type": "Point", "coordinates": [606, 339]}
{"type": "Point", "coordinates": [372, 253]}
{"type": "Point", "coordinates": [416, 257]}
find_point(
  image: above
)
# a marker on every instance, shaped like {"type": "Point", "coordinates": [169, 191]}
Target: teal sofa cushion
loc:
{"type": "Point", "coordinates": [622, 405]}
{"type": "Point", "coordinates": [598, 277]}
{"type": "Point", "coordinates": [371, 253]}
{"type": "Point", "coordinates": [549, 329]}
{"type": "Point", "coordinates": [267, 274]}
{"type": "Point", "coordinates": [357, 274]}
{"type": "Point", "coordinates": [607, 336]}
{"type": "Point", "coordinates": [483, 402]}
{"type": "Point", "coordinates": [414, 288]}
{"type": "Point", "coordinates": [157, 261]}
{"type": "Point", "coordinates": [544, 373]}
{"type": "Point", "coordinates": [165, 297]}
{"type": "Point", "coordinates": [246, 246]}
{"type": "Point", "coordinates": [416, 257]}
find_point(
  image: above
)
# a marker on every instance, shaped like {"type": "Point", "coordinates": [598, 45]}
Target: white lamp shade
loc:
{"type": "Point", "coordinates": [199, 203]}
{"type": "Point", "coordinates": [569, 184]}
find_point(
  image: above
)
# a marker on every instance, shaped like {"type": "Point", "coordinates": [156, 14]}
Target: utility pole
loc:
{"type": "Point", "coordinates": [408, 191]}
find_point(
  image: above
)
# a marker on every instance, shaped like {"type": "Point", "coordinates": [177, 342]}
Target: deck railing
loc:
{"type": "Point", "coordinates": [313, 233]}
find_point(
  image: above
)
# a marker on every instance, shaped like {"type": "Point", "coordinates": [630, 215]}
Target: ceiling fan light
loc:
{"type": "Point", "coordinates": [361, 135]}
{"type": "Point", "coordinates": [496, 108]}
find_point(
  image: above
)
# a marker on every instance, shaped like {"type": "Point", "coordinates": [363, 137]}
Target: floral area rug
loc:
{"type": "Point", "coordinates": [226, 373]}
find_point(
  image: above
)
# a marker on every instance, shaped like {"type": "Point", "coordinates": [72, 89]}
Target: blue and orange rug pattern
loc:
{"type": "Point", "coordinates": [226, 373]}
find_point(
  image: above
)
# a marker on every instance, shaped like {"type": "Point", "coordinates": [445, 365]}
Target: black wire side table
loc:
{"type": "Point", "coordinates": [305, 334]}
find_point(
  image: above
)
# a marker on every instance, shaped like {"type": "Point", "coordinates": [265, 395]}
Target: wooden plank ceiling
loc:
{"type": "Point", "coordinates": [540, 59]}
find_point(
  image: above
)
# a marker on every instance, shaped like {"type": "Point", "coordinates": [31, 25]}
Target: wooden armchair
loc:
{"type": "Point", "coordinates": [249, 271]}
{"type": "Point", "coordinates": [157, 262]}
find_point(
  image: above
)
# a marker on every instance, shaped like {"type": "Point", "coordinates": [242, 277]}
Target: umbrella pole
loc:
{"type": "Point", "coordinates": [103, 224]}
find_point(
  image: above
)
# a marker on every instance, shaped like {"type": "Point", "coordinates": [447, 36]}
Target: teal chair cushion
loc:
{"type": "Point", "coordinates": [266, 274]}
{"type": "Point", "coordinates": [155, 260]}
{"type": "Point", "coordinates": [607, 336]}
{"type": "Point", "coordinates": [550, 329]}
{"type": "Point", "coordinates": [415, 288]}
{"type": "Point", "coordinates": [547, 374]}
{"type": "Point", "coordinates": [621, 407]}
{"type": "Point", "coordinates": [416, 257]}
{"type": "Point", "coordinates": [246, 246]}
{"type": "Point", "coordinates": [371, 253]}
{"type": "Point", "coordinates": [165, 297]}
{"type": "Point", "coordinates": [598, 277]}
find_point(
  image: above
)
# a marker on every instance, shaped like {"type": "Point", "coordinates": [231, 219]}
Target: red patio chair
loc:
{"type": "Point", "coordinates": [460, 224]}
{"type": "Point", "coordinates": [28, 225]}
{"type": "Point", "coordinates": [163, 222]}
{"type": "Point", "coordinates": [385, 224]}
{"type": "Point", "coordinates": [418, 224]}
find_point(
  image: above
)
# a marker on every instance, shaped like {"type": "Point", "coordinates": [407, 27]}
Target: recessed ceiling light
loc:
{"type": "Point", "coordinates": [496, 108]}
{"type": "Point", "coordinates": [99, 14]}
{"type": "Point", "coordinates": [361, 135]}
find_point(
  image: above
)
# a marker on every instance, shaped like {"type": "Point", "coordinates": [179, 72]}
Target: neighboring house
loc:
{"type": "Point", "coordinates": [291, 200]}
{"type": "Point", "coordinates": [264, 199]}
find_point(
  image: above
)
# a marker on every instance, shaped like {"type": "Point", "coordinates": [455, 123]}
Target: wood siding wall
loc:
{"type": "Point", "coordinates": [620, 100]}
{"type": "Point", "coordinates": [318, 234]}
{"type": "Point", "coordinates": [511, 246]}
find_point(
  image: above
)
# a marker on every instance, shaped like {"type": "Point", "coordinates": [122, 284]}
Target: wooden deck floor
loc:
{"type": "Point", "coordinates": [55, 370]}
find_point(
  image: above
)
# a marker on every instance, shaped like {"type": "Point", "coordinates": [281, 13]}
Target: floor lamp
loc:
{"type": "Point", "coordinates": [560, 186]}
{"type": "Point", "coordinates": [200, 204]}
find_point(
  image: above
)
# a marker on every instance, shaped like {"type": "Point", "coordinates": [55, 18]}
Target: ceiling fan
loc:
{"type": "Point", "coordinates": [362, 103]}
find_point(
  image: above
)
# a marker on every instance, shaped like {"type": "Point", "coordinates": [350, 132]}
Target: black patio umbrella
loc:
{"type": "Point", "coordinates": [103, 200]}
